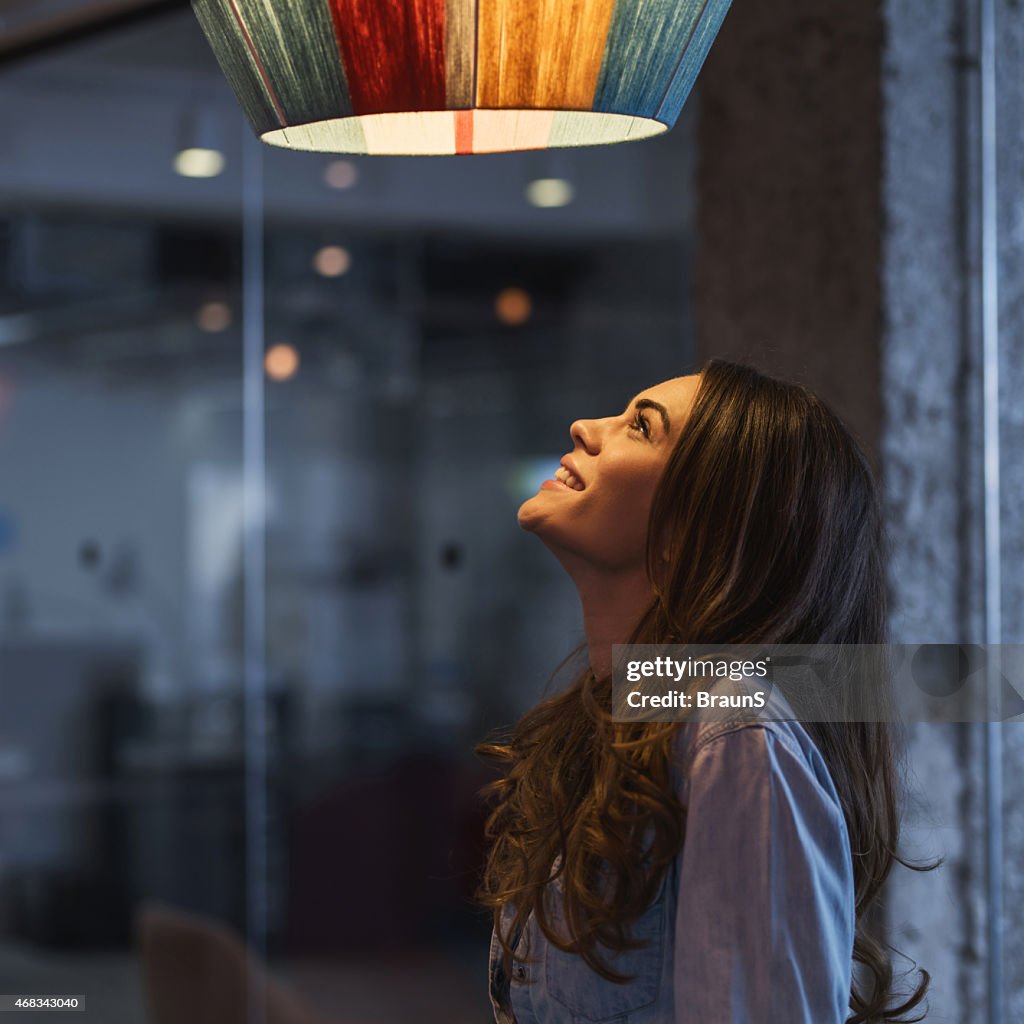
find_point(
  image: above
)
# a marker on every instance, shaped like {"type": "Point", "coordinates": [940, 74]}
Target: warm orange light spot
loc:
{"type": "Point", "coordinates": [213, 317]}
{"type": "Point", "coordinates": [281, 362]}
{"type": "Point", "coordinates": [513, 306]}
{"type": "Point", "coordinates": [332, 261]}
{"type": "Point", "coordinates": [341, 174]}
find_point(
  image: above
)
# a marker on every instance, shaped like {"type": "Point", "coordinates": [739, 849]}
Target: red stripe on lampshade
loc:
{"type": "Point", "coordinates": [463, 131]}
{"type": "Point", "coordinates": [393, 53]}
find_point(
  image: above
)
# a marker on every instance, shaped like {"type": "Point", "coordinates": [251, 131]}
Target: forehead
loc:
{"type": "Point", "coordinates": [676, 394]}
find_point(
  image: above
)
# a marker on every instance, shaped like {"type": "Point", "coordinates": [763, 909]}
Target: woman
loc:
{"type": "Point", "coordinates": [705, 872]}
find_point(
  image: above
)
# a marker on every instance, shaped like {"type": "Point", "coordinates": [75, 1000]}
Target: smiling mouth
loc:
{"type": "Point", "coordinates": [566, 476]}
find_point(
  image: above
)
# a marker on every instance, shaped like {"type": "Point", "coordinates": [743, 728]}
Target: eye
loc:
{"type": "Point", "coordinates": [640, 423]}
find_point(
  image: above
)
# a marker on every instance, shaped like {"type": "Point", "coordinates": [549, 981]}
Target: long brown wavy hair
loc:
{"type": "Point", "coordinates": [774, 533]}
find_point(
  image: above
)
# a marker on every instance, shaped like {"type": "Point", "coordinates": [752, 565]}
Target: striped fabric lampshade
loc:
{"type": "Point", "coordinates": [459, 76]}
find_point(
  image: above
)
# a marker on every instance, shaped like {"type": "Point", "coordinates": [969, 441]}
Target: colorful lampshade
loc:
{"type": "Point", "coordinates": [459, 76]}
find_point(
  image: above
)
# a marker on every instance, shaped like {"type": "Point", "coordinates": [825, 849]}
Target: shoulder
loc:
{"type": "Point", "coordinates": [694, 737]}
{"type": "Point", "coordinates": [740, 704]}
{"type": "Point", "coordinates": [772, 748]}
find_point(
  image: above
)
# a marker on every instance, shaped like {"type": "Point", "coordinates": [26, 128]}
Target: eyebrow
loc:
{"type": "Point", "coordinates": [646, 403]}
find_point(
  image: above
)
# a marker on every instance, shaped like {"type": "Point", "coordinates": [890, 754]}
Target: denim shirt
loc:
{"type": "Point", "coordinates": [754, 920]}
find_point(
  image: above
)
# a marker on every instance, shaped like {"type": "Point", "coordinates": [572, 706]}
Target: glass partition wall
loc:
{"type": "Point", "coordinates": [263, 435]}
{"type": "Point", "coordinates": [406, 613]}
{"type": "Point", "coordinates": [121, 757]}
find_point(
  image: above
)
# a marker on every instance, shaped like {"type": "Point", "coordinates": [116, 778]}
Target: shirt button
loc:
{"type": "Point", "coordinates": [519, 972]}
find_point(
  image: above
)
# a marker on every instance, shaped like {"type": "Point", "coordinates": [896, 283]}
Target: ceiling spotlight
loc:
{"type": "Point", "coordinates": [201, 149]}
{"type": "Point", "coordinates": [341, 174]}
{"type": "Point", "coordinates": [199, 163]}
{"type": "Point", "coordinates": [213, 317]}
{"type": "Point", "coordinates": [332, 261]}
{"type": "Point", "coordinates": [281, 362]}
{"type": "Point", "coordinates": [549, 193]}
{"type": "Point", "coordinates": [513, 306]}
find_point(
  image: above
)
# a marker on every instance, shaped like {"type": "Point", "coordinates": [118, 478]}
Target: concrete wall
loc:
{"type": "Point", "coordinates": [789, 217]}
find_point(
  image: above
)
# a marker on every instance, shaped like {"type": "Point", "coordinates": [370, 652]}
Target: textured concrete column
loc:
{"type": "Point", "coordinates": [1010, 116]}
{"type": "Point", "coordinates": [931, 458]}
{"type": "Point", "coordinates": [789, 214]}
{"type": "Point", "coordinates": [837, 221]}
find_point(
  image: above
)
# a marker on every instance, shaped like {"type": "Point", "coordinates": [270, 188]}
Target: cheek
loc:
{"type": "Point", "coordinates": [620, 509]}
{"type": "Point", "coordinates": [630, 489]}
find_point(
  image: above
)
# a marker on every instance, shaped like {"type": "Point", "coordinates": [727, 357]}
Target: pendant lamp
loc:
{"type": "Point", "coordinates": [459, 76]}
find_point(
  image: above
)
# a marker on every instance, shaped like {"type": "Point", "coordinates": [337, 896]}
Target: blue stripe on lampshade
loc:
{"type": "Point", "coordinates": [693, 60]}
{"type": "Point", "coordinates": [645, 44]}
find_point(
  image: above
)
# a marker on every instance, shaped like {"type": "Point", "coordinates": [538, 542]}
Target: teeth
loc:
{"type": "Point", "coordinates": [568, 478]}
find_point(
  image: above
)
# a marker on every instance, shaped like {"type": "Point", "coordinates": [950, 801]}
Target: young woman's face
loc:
{"type": "Point", "coordinates": [595, 510]}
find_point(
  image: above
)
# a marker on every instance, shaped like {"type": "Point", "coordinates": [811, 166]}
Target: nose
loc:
{"type": "Point", "coordinates": [586, 434]}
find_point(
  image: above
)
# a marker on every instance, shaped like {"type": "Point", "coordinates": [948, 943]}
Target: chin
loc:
{"type": "Point", "coordinates": [529, 515]}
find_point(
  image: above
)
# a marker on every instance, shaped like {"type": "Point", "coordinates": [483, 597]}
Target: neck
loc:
{"type": "Point", "coordinates": [613, 604]}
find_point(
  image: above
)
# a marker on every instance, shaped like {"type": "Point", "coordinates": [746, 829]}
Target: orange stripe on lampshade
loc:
{"type": "Point", "coordinates": [463, 131]}
{"type": "Point", "coordinates": [541, 53]}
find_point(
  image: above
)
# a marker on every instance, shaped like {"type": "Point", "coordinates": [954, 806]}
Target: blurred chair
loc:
{"type": "Point", "coordinates": [197, 971]}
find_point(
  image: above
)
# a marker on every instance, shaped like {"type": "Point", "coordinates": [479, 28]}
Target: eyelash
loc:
{"type": "Point", "coordinates": [641, 424]}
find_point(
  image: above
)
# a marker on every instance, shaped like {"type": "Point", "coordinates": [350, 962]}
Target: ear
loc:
{"type": "Point", "coordinates": [664, 547]}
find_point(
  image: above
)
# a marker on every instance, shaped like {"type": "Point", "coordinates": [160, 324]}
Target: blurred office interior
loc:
{"type": "Point", "coordinates": [238, 696]}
